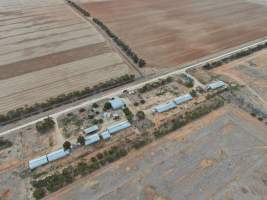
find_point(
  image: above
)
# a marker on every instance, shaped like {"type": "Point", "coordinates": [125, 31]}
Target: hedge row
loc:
{"type": "Point", "coordinates": [26, 111]}
{"type": "Point", "coordinates": [141, 63]}
{"type": "Point", "coordinates": [188, 117]}
{"type": "Point", "coordinates": [58, 180]}
{"type": "Point", "coordinates": [150, 86]}
{"type": "Point", "coordinates": [84, 12]}
{"type": "Point", "coordinates": [235, 56]}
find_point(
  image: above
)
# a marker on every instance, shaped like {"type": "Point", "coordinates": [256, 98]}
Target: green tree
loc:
{"type": "Point", "coordinates": [107, 106]}
{"type": "Point", "coordinates": [66, 145]}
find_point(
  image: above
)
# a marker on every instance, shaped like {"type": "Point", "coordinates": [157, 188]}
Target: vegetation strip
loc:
{"type": "Point", "coordinates": [27, 111]}
{"type": "Point", "coordinates": [235, 56]}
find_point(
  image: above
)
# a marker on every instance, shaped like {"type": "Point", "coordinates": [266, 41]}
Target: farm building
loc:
{"type": "Point", "coordinates": [182, 99]}
{"type": "Point", "coordinates": [165, 107]}
{"type": "Point", "coordinates": [61, 153]}
{"type": "Point", "coordinates": [118, 127]}
{"type": "Point", "coordinates": [216, 85]}
{"type": "Point", "coordinates": [117, 103]}
{"type": "Point", "coordinates": [92, 139]}
{"type": "Point", "coordinates": [105, 135]}
{"type": "Point", "coordinates": [91, 129]}
{"type": "Point", "coordinates": [37, 162]}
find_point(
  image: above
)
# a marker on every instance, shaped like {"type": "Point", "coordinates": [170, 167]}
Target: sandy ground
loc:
{"type": "Point", "coordinates": [170, 32]}
{"type": "Point", "coordinates": [221, 156]}
{"type": "Point", "coordinates": [46, 52]}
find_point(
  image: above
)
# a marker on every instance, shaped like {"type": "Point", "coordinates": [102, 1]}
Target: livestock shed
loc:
{"type": "Point", "coordinates": [118, 127]}
{"type": "Point", "coordinates": [182, 99]}
{"type": "Point", "coordinates": [216, 85]}
{"type": "Point", "coordinates": [61, 153]}
{"type": "Point", "coordinates": [165, 107]}
{"type": "Point", "coordinates": [37, 162]}
{"type": "Point", "coordinates": [92, 139]}
{"type": "Point", "coordinates": [105, 135]}
{"type": "Point", "coordinates": [117, 103]}
{"type": "Point", "coordinates": [91, 129]}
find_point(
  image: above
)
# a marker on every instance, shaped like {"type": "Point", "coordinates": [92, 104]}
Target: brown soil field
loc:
{"type": "Point", "coordinates": [169, 32]}
{"type": "Point", "coordinates": [46, 52]}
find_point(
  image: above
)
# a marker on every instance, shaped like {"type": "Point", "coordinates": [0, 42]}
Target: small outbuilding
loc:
{"type": "Point", "coordinates": [117, 103]}
{"type": "Point", "coordinates": [92, 139]}
{"type": "Point", "coordinates": [216, 85]}
{"type": "Point", "coordinates": [90, 130]}
{"type": "Point", "coordinates": [61, 153]}
{"type": "Point", "coordinates": [37, 162]}
{"type": "Point", "coordinates": [105, 135]}
{"type": "Point", "coordinates": [165, 107]}
{"type": "Point", "coordinates": [183, 99]}
{"type": "Point", "coordinates": [118, 127]}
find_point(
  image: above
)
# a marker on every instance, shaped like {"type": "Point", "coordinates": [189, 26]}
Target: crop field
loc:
{"type": "Point", "coordinates": [167, 33]}
{"type": "Point", "coordinates": [46, 52]}
{"type": "Point", "coordinates": [221, 156]}
{"type": "Point", "coordinates": [251, 72]}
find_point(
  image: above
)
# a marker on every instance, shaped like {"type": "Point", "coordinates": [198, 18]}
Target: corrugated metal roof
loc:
{"type": "Point", "coordinates": [165, 107]}
{"type": "Point", "coordinates": [182, 99]}
{"type": "Point", "coordinates": [105, 135]}
{"type": "Point", "coordinates": [91, 129]}
{"type": "Point", "coordinates": [216, 85]}
{"type": "Point", "coordinates": [118, 127]}
{"type": "Point", "coordinates": [92, 139]}
{"type": "Point", "coordinates": [37, 162]}
{"type": "Point", "coordinates": [57, 154]}
{"type": "Point", "coordinates": [117, 103]}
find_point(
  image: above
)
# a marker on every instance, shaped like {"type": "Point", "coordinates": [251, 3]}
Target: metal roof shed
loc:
{"type": "Point", "coordinates": [216, 85]}
{"type": "Point", "coordinates": [91, 129]}
{"type": "Point", "coordinates": [117, 103]}
{"type": "Point", "coordinates": [37, 162]}
{"type": "Point", "coordinates": [105, 135]}
{"type": "Point", "coordinates": [118, 127]}
{"type": "Point", "coordinates": [165, 107]}
{"type": "Point", "coordinates": [61, 153]}
{"type": "Point", "coordinates": [92, 139]}
{"type": "Point", "coordinates": [182, 99]}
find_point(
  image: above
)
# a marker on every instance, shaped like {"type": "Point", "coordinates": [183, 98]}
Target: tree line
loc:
{"type": "Point", "coordinates": [235, 56]}
{"type": "Point", "coordinates": [124, 47]}
{"type": "Point", "coordinates": [84, 12]}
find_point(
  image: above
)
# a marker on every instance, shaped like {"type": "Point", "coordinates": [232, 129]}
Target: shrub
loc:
{"type": "Point", "coordinates": [39, 193]}
{"type": "Point", "coordinates": [81, 110]}
{"type": "Point", "coordinates": [46, 125]}
{"type": "Point", "coordinates": [5, 144]}
{"type": "Point", "coordinates": [140, 115]}
{"type": "Point", "coordinates": [193, 93]}
{"type": "Point", "coordinates": [81, 140]}
{"type": "Point", "coordinates": [95, 105]}
{"type": "Point", "coordinates": [128, 114]}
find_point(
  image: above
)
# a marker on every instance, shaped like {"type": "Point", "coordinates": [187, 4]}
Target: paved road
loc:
{"type": "Point", "coordinates": [118, 92]}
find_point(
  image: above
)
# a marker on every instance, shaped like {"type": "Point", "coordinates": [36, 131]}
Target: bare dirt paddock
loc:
{"type": "Point", "coordinates": [47, 50]}
{"type": "Point", "coordinates": [221, 156]}
{"type": "Point", "coordinates": [170, 32]}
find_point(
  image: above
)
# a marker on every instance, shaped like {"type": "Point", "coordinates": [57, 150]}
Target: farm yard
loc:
{"type": "Point", "coordinates": [46, 52]}
{"type": "Point", "coordinates": [220, 156]}
{"type": "Point", "coordinates": [167, 33]}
